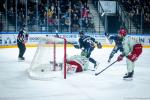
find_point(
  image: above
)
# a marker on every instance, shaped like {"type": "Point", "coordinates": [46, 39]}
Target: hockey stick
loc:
{"type": "Point", "coordinates": [105, 68]}
{"type": "Point", "coordinates": [70, 43]}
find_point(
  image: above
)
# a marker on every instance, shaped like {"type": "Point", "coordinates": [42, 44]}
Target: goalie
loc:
{"type": "Point", "coordinates": [131, 50]}
{"type": "Point", "coordinates": [77, 63]}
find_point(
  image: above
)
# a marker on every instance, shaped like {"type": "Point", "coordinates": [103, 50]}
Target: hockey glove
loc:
{"type": "Point", "coordinates": [77, 46]}
{"type": "Point", "coordinates": [106, 34]}
{"type": "Point", "coordinates": [120, 57]}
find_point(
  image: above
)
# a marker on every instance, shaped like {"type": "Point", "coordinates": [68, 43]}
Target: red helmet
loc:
{"type": "Point", "coordinates": [122, 32]}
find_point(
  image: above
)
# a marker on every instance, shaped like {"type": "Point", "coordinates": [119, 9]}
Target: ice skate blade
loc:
{"type": "Point", "coordinates": [20, 60]}
{"type": "Point", "coordinates": [128, 79]}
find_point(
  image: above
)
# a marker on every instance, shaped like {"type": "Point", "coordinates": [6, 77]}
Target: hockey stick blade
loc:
{"type": "Point", "coordinates": [105, 68]}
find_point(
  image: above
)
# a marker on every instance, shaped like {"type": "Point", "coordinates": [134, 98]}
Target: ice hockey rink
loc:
{"type": "Point", "coordinates": [109, 85]}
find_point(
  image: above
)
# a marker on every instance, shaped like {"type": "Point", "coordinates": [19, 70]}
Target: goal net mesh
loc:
{"type": "Point", "coordinates": [49, 59]}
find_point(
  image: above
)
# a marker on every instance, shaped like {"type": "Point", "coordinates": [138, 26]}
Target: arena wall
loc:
{"type": "Point", "coordinates": [8, 39]}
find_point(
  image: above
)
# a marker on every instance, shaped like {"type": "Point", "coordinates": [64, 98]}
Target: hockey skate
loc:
{"type": "Point", "coordinates": [109, 60]}
{"type": "Point", "coordinates": [20, 59]}
{"type": "Point", "coordinates": [96, 65]}
{"type": "Point", "coordinates": [128, 76]}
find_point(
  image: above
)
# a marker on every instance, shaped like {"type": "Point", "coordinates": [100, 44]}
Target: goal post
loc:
{"type": "Point", "coordinates": [49, 60]}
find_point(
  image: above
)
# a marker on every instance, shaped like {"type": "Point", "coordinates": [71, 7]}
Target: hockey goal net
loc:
{"type": "Point", "coordinates": [49, 60]}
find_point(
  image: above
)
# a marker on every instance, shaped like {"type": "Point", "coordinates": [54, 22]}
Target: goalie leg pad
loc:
{"type": "Point", "coordinates": [81, 61]}
{"type": "Point", "coordinates": [79, 67]}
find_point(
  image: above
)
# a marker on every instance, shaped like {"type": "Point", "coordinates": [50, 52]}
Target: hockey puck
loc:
{"type": "Point", "coordinates": [42, 70]}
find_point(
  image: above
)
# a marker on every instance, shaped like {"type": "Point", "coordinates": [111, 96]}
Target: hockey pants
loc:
{"type": "Point", "coordinates": [88, 54]}
{"type": "Point", "coordinates": [130, 65]}
{"type": "Point", "coordinates": [22, 49]}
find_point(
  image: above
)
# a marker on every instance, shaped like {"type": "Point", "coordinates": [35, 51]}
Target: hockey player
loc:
{"type": "Point", "coordinates": [87, 44]}
{"type": "Point", "coordinates": [118, 44]}
{"type": "Point", "coordinates": [22, 38]}
{"type": "Point", "coordinates": [131, 50]}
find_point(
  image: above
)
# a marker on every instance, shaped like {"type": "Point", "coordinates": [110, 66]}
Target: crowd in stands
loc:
{"type": "Point", "coordinates": [139, 10]}
{"type": "Point", "coordinates": [66, 14]}
{"type": "Point", "coordinates": [50, 13]}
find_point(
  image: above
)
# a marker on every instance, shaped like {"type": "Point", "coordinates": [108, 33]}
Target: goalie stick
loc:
{"type": "Point", "coordinates": [105, 68]}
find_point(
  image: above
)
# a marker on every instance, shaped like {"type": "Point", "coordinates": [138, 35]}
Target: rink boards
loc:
{"type": "Point", "coordinates": [9, 39]}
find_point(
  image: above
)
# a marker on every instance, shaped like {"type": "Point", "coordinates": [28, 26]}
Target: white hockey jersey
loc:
{"type": "Point", "coordinates": [128, 43]}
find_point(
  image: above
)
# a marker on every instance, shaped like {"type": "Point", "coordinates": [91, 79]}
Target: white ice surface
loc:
{"type": "Point", "coordinates": [109, 85]}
